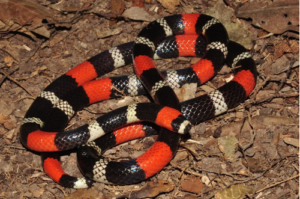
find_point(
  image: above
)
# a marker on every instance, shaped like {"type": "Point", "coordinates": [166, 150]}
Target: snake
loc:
{"type": "Point", "coordinates": [201, 35]}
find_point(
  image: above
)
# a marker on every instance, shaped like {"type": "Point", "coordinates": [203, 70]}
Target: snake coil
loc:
{"type": "Point", "coordinates": [178, 35]}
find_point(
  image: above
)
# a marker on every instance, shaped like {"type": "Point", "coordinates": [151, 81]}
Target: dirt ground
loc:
{"type": "Point", "coordinates": [252, 151]}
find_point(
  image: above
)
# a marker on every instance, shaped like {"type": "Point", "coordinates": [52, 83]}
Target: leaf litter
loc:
{"type": "Point", "coordinates": [251, 151]}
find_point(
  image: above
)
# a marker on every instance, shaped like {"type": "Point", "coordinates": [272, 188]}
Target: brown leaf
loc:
{"type": "Point", "coordinates": [8, 61]}
{"type": "Point", "coordinates": [3, 118]}
{"type": "Point", "coordinates": [137, 13]}
{"type": "Point", "coordinates": [235, 192]}
{"type": "Point", "coordinates": [228, 145]}
{"type": "Point", "coordinates": [85, 193]}
{"type": "Point", "coordinates": [170, 4]}
{"type": "Point", "coordinates": [117, 7]}
{"type": "Point", "coordinates": [8, 48]}
{"type": "Point", "coordinates": [235, 30]}
{"type": "Point", "coordinates": [276, 17]}
{"type": "Point", "coordinates": [292, 141]}
{"type": "Point", "coordinates": [291, 46]}
{"type": "Point", "coordinates": [152, 189]}
{"type": "Point", "coordinates": [138, 3]}
{"type": "Point", "coordinates": [27, 14]}
{"type": "Point", "coordinates": [260, 122]}
{"type": "Point", "coordinates": [191, 184]}
{"type": "Point", "coordinates": [108, 32]}
{"type": "Point", "coordinates": [72, 5]}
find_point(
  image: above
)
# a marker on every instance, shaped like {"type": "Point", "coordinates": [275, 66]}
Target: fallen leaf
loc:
{"type": "Point", "coordinates": [72, 5]}
{"type": "Point", "coordinates": [137, 13]}
{"type": "Point", "coordinates": [36, 190]}
{"type": "Point", "coordinates": [3, 118]}
{"type": "Point", "coordinates": [10, 134]}
{"type": "Point", "coordinates": [292, 141]}
{"type": "Point", "coordinates": [260, 122]}
{"type": "Point", "coordinates": [138, 3]}
{"type": "Point", "coordinates": [152, 189]}
{"type": "Point", "coordinates": [228, 145]}
{"type": "Point", "coordinates": [290, 46]}
{"type": "Point", "coordinates": [13, 52]}
{"type": "Point", "coordinates": [85, 193]}
{"type": "Point", "coordinates": [169, 4]}
{"type": "Point", "coordinates": [25, 16]}
{"type": "Point", "coordinates": [8, 61]}
{"type": "Point", "coordinates": [117, 8]}
{"type": "Point", "coordinates": [186, 92]}
{"type": "Point", "coordinates": [107, 33]}
{"type": "Point", "coordinates": [235, 192]}
{"type": "Point", "coordinates": [275, 16]}
{"type": "Point", "coordinates": [191, 184]}
{"type": "Point", "coordinates": [236, 31]}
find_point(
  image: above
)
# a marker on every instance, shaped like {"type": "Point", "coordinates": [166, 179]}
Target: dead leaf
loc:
{"type": "Point", "coordinates": [36, 190]}
{"type": "Point", "coordinates": [292, 141]}
{"type": "Point", "coordinates": [275, 17]}
{"type": "Point", "coordinates": [152, 189]}
{"type": "Point", "coordinates": [85, 193]}
{"type": "Point", "coordinates": [138, 3]}
{"type": "Point", "coordinates": [260, 122]}
{"type": "Point", "coordinates": [281, 64]}
{"type": "Point", "coordinates": [230, 129]}
{"type": "Point", "coordinates": [10, 134]}
{"type": "Point", "coordinates": [8, 61]}
{"type": "Point", "coordinates": [235, 30]}
{"type": "Point", "coordinates": [107, 33]}
{"type": "Point", "coordinates": [169, 4]}
{"type": "Point", "coordinates": [117, 8]}
{"type": "Point", "coordinates": [137, 13]}
{"type": "Point", "coordinates": [187, 7]}
{"type": "Point", "coordinates": [290, 46]}
{"type": "Point", "coordinates": [3, 118]}
{"type": "Point", "coordinates": [235, 192]}
{"type": "Point", "coordinates": [72, 5]}
{"type": "Point", "coordinates": [264, 94]}
{"type": "Point", "coordinates": [6, 47]}
{"type": "Point", "coordinates": [25, 16]}
{"type": "Point", "coordinates": [186, 92]}
{"type": "Point", "coordinates": [228, 145]}
{"type": "Point", "coordinates": [191, 184]}
{"type": "Point", "coordinates": [180, 160]}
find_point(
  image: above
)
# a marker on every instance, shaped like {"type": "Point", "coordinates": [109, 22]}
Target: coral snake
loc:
{"type": "Point", "coordinates": [200, 35]}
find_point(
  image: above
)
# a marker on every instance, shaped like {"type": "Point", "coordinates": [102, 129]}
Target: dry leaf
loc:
{"type": "Point", "coordinates": [3, 118]}
{"type": "Point", "coordinates": [191, 184]}
{"type": "Point", "coordinates": [8, 61]}
{"type": "Point", "coordinates": [235, 192]}
{"type": "Point", "coordinates": [152, 189]}
{"type": "Point", "coordinates": [25, 16]}
{"type": "Point", "coordinates": [137, 13]}
{"type": "Point", "coordinates": [291, 46]}
{"type": "Point", "coordinates": [228, 145]}
{"type": "Point", "coordinates": [235, 30]}
{"type": "Point", "coordinates": [275, 17]}
{"type": "Point", "coordinates": [170, 4]}
{"type": "Point", "coordinates": [292, 141]}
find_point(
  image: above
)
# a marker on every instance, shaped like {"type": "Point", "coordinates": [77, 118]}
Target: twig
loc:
{"type": "Point", "coordinates": [230, 4]}
{"type": "Point", "coordinates": [283, 81]}
{"type": "Point", "coordinates": [273, 185]}
{"type": "Point", "coordinates": [15, 81]}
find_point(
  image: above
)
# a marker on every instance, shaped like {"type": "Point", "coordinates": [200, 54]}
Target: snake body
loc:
{"type": "Point", "coordinates": [202, 35]}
